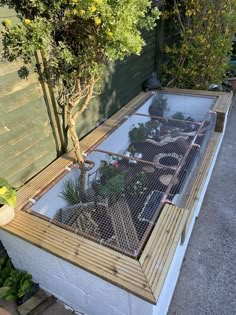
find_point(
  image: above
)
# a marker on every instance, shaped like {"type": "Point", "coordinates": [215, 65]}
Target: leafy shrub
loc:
{"type": "Point", "coordinates": [138, 185]}
{"type": "Point", "coordinates": [139, 133]}
{"type": "Point", "coordinates": [198, 42]}
{"type": "Point", "coordinates": [15, 284]}
{"type": "Point", "coordinates": [113, 188]}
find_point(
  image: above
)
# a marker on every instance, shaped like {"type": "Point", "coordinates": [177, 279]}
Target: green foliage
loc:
{"type": "Point", "coordinates": [5, 269]}
{"type": "Point", "coordinates": [158, 106]}
{"type": "Point", "coordinates": [138, 185]}
{"type": "Point", "coordinates": [152, 124]}
{"type": "Point", "coordinates": [178, 116]}
{"type": "Point", "coordinates": [78, 39]}
{"type": "Point", "coordinates": [113, 187]}
{"type": "Point", "coordinates": [19, 284]}
{"type": "Point", "coordinates": [198, 45]}
{"type": "Point", "coordinates": [14, 284]}
{"type": "Point", "coordinates": [107, 170]}
{"type": "Point", "coordinates": [139, 133]}
{"type": "Point", "coordinates": [77, 36]}
{"type": "Point", "coordinates": [7, 193]}
{"type": "Point", "coordinates": [71, 191]}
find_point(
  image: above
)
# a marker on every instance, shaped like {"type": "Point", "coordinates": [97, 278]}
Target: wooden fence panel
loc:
{"type": "Point", "coordinates": [26, 141]}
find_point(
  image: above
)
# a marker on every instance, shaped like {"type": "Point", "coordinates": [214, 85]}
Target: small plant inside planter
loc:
{"type": "Point", "coordinates": [71, 191]}
{"type": "Point", "coordinates": [113, 188]}
{"type": "Point", "coordinates": [158, 106]}
{"type": "Point", "coordinates": [139, 133]}
{"type": "Point", "coordinates": [138, 185]}
{"type": "Point", "coordinates": [178, 121]}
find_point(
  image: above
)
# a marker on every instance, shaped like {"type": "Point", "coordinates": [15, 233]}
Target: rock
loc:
{"type": "Point", "coordinates": [151, 84]}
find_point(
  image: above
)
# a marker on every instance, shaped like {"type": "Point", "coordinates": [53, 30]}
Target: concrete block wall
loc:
{"type": "Point", "coordinates": [77, 288]}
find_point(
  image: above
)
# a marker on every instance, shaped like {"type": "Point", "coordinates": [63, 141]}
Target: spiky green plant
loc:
{"type": "Point", "coordinates": [71, 191]}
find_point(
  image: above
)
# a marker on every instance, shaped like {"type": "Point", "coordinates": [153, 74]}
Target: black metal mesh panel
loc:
{"type": "Point", "coordinates": [145, 162]}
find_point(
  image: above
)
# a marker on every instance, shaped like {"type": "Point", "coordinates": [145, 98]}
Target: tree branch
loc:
{"type": "Point", "coordinates": [87, 98]}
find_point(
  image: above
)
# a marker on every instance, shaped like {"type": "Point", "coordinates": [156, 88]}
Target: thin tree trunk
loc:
{"type": "Point", "coordinates": [72, 116]}
{"type": "Point", "coordinates": [74, 138]}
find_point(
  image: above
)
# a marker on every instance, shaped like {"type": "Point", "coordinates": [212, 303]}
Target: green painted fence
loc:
{"type": "Point", "coordinates": [122, 82]}
{"type": "Point", "coordinates": [26, 140]}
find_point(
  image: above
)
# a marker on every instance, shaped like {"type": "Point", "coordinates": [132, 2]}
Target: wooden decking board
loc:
{"type": "Point", "coordinates": [162, 248]}
{"type": "Point", "coordinates": [202, 173]}
{"type": "Point", "coordinates": [161, 244]}
{"type": "Point", "coordinates": [112, 260]}
{"type": "Point", "coordinates": [149, 261]}
{"type": "Point", "coordinates": [67, 237]}
{"type": "Point", "coordinates": [194, 92]}
{"type": "Point", "coordinates": [165, 216]}
{"type": "Point", "coordinates": [162, 276]}
{"type": "Point", "coordinates": [32, 188]}
{"type": "Point", "coordinates": [114, 277]}
{"type": "Point", "coordinates": [223, 103]}
{"type": "Point", "coordinates": [132, 275]}
{"type": "Point", "coordinates": [140, 276]}
{"type": "Point", "coordinates": [169, 250]}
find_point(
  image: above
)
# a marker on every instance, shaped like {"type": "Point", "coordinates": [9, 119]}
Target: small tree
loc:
{"type": "Point", "coordinates": [78, 38]}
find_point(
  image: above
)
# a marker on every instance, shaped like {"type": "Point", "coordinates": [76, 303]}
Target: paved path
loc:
{"type": "Point", "coordinates": [207, 282]}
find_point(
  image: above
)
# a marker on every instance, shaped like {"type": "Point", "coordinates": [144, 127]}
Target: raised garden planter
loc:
{"type": "Point", "coordinates": [119, 236]}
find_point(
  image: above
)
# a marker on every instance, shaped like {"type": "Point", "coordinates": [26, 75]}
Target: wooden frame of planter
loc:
{"type": "Point", "coordinates": [232, 81]}
{"type": "Point", "coordinates": [142, 277]}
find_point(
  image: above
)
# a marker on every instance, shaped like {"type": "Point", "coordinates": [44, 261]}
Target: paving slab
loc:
{"type": "Point", "coordinates": [57, 308]}
{"type": "Point", "coordinates": [11, 307]}
{"type": "Point", "coordinates": [207, 281]}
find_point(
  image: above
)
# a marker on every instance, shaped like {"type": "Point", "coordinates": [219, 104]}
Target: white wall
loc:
{"type": "Point", "coordinates": [77, 288]}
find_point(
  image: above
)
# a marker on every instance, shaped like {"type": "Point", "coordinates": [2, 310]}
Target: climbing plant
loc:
{"type": "Point", "coordinates": [198, 41]}
{"type": "Point", "coordinates": [78, 38]}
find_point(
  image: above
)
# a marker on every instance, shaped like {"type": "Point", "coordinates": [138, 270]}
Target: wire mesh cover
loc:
{"type": "Point", "coordinates": [118, 202]}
